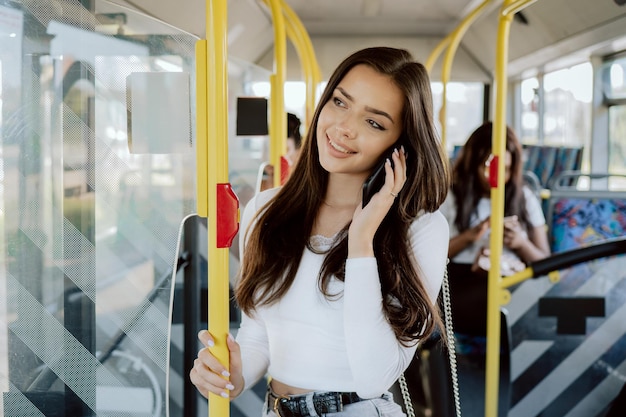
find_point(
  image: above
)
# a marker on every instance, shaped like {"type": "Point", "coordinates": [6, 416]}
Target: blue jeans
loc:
{"type": "Point", "coordinates": [375, 407]}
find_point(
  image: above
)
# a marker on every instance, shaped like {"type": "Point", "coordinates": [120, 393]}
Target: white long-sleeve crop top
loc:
{"type": "Point", "coordinates": [345, 344]}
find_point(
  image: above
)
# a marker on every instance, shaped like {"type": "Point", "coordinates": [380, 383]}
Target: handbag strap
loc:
{"type": "Point", "coordinates": [406, 396]}
{"type": "Point", "coordinates": [404, 389]}
{"type": "Point", "coordinates": [447, 307]}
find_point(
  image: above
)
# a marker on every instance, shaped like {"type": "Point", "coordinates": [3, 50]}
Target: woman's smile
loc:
{"type": "Point", "coordinates": [340, 148]}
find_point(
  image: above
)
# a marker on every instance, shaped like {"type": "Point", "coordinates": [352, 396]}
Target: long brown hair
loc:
{"type": "Point", "coordinates": [282, 231]}
{"type": "Point", "coordinates": [467, 186]}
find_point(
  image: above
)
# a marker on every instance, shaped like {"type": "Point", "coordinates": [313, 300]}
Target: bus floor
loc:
{"type": "Point", "coordinates": [471, 378]}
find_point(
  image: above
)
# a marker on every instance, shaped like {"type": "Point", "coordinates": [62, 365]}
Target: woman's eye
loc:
{"type": "Point", "coordinates": [375, 125]}
{"type": "Point", "coordinates": [338, 102]}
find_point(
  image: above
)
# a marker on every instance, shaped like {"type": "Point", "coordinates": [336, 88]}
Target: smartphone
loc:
{"type": "Point", "coordinates": [508, 221]}
{"type": "Point", "coordinates": [375, 181]}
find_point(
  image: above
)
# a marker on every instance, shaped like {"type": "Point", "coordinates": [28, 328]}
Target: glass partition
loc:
{"type": "Point", "coordinates": [97, 173]}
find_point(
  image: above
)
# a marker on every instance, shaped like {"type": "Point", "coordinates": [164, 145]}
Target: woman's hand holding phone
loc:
{"type": "Point", "coordinates": [375, 181]}
{"type": "Point", "coordinates": [510, 221]}
{"type": "Point", "coordinates": [368, 217]}
{"type": "Point", "coordinates": [514, 234]}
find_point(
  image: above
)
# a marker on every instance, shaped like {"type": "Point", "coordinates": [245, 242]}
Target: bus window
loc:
{"type": "Point", "coordinates": [462, 112]}
{"type": "Point", "coordinates": [529, 133]}
{"type": "Point", "coordinates": [617, 144]}
{"type": "Point", "coordinates": [556, 109]}
{"type": "Point", "coordinates": [567, 116]}
{"type": "Point", "coordinates": [614, 90]}
{"type": "Point", "coordinates": [615, 86]}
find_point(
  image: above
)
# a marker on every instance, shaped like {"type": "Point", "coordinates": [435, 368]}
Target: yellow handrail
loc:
{"type": "Point", "coordinates": [453, 43]}
{"type": "Point", "coordinates": [495, 284]}
{"type": "Point", "coordinates": [304, 47]}
{"type": "Point", "coordinates": [512, 7]}
{"type": "Point", "coordinates": [432, 58]}
{"type": "Point", "coordinates": [278, 118]}
{"type": "Point", "coordinates": [517, 277]}
{"type": "Point", "coordinates": [298, 35]}
{"type": "Point", "coordinates": [294, 34]}
{"type": "Point", "coordinates": [212, 161]}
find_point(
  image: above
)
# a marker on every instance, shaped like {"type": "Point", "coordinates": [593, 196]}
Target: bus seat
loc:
{"type": "Point", "coordinates": [532, 181]}
{"type": "Point", "coordinates": [548, 161]}
{"type": "Point", "coordinates": [540, 348]}
{"type": "Point", "coordinates": [578, 218]}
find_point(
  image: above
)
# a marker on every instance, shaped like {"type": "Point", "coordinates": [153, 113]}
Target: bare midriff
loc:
{"type": "Point", "coordinates": [283, 389]}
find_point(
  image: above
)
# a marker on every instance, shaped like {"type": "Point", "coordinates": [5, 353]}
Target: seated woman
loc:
{"type": "Point", "coordinates": [468, 210]}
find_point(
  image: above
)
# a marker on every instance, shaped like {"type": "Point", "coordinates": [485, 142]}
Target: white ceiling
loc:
{"type": "Point", "coordinates": [338, 27]}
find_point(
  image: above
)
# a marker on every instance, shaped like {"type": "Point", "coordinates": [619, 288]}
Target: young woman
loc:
{"type": "Point", "coordinates": [335, 296]}
{"type": "Point", "coordinates": [468, 208]}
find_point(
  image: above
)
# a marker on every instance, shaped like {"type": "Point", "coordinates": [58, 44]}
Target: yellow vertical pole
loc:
{"type": "Point", "coordinates": [495, 284]}
{"type": "Point", "coordinates": [496, 224]}
{"type": "Point", "coordinates": [278, 118]}
{"type": "Point", "coordinates": [212, 160]}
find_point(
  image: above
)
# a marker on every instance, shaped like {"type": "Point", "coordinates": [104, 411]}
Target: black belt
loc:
{"type": "Point", "coordinates": [324, 402]}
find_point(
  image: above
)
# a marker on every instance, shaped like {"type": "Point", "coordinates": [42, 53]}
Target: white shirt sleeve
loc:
{"type": "Point", "coordinates": [252, 335]}
{"type": "Point", "coordinates": [533, 207]}
{"type": "Point", "coordinates": [448, 209]}
{"type": "Point", "coordinates": [430, 238]}
{"type": "Point", "coordinates": [376, 357]}
{"type": "Point", "coordinates": [255, 353]}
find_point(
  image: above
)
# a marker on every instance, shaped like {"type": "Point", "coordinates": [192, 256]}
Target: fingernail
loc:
{"type": "Point", "coordinates": [203, 334]}
{"type": "Point", "coordinates": [226, 374]}
{"type": "Point", "coordinates": [230, 387]}
{"type": "Point", "coordinates": [230, 337]}
{"type": "Point", "coordinates": [224, 394]}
